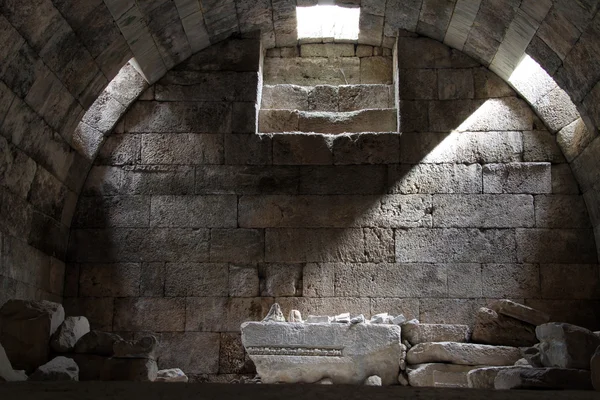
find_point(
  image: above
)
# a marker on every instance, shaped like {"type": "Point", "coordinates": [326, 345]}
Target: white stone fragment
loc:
{"type": "Point", "coordinates": [68, 333]}
{"type": "Point", "coordinates": [7, 372]}
{"type": "Point", "coordinates": [399, 320]}
{"type": "Point", "coordinates": [318, 319]}
{"type": "Point", "coordinates": [343, 318]}
{"type": "Point", "coordinates": [462, 354]}
{"type": "Point", "coordinates": [373, 380]}
{"type": "Point", "coordinates": [171, 375]}
{"type": "Point", "coordinates": [275, 314]}
{"type": "Point", "coordinates": [438, 374]}
{"type": "Point", "coordinates": [520, 312]}
{"type": "Point", "coordinates": [345, 353]}
{"type": "Point", "coordinates": [295, 316]}
{"type": "Point", "coordinates": [383, 318]}
{"type": "Point", "coordinates": [59, 369]}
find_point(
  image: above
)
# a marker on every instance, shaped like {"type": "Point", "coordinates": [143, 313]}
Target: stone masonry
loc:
{"type": "Point", "coordinates": [190, 222]}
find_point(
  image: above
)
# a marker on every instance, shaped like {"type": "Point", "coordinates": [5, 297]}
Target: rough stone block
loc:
{"type": "Point", "coordinates": [278, 121]}
{"type": "Point", "coordinates": [302, 149]}
{"type": "Point", "coordinates": [455, 245]}
{"type": "Point", "coordinates": [456, 84]}
{"type": "Point", "coordinates": [109, 280]}
{"type": "Point", "coordinates": [489, 85]}
{"type": "Point", "coordinates": [401, 15]}
{"type": "Point", "coordinates": [462, 354]}
{"type": "Point", "coordinates": [192, 279]}
{"type": "Point", "coordinates": [497, 329]}
{"type": "Point", "coordinates": [573, 139]}
{"type": "Point", "coordinates": [556, 110]}
{"type": "Point", "coordinates": [483, 378]}
{"type": "Point", "coordinates": [563, 181]}
{"type": "Point", "coordinates": [183, 86]}
{"type": "Point", "coordinates": [539, 246]}
{"type": "Point", "coordinates": [237, 245]}
{"type": "Point", "coordinates": [464, 280]}
{"type": "Point", "coordinates": [99, 311]}
{"type": "Point", "coordinates": [418, 84]}
{"type": "Point", "coordinates": [510, 280]}
{"type": "Point", "coordinates": [194, 211]}
{"type": "Point", "coordinates": [380, 148]}
{"type": "Point", "coordinates": [363, 50]}
{"type": "Point", "coordinates": [382, 120]}
{"type": "Point", "coordinates": [505, 114]}
{"type": "Point", "coordinates": [435, 178]}
{"type": "Point", "coordinates": [580, 281]}
{"type": "Point", "coordinates": [318, 280]}
{"type": "Point", "coordinates": [314, 245]}
{"type": "Point", "coordinates": [561, 211]}
{"type": "Point", "coordinates": [483, 211]}
{"type": "Point", "coordinates": [112, 211]}
{"type": "Point", "coordinates": [149, 314]}
{"type": "Point", "coordinates": [184, 117]}
{"type": "Point", "coordinates": [152, 280]}
{"type": "Point", "coordinates": [414, 116]}
{"type": "Point", "coordinates": [379, 244]}
{"type": "Point", "coordinates": [449, 311]}
{"type": "Point", "coordinates": [247, 180]}
{"type": "Point", "coordinates": [328, 50]}
{"type": "Point", "coordinates": [423, 333]}
{"type": "Point", "coordinates": [18, 170]}
{"type": "Point", "coordinates": [245, 117]}
{"type": "Point", "coordinates": [439, 375]}
{"type": "Point", "coordinates": [235, 54]}
{"type": "Point", "coordinates": [233, 358]}
{"type": "Point", "coordinates": [323, 98]}
{"type": "Point", "coordinates": [356, 97]}
{"type": "Point", "coordinates": [376, 70]}
{"type": "Point", "coordinates": [286, 96]}
{"type": "Point", "coordinates": [243, 281]}
{"type": "Point", "coordinates": [370, 29]}
{"type": "Point", "coordinates": [312, 71]}
{"type": "Point", "coordinates": [396, 306]}
{"type": "Point", "coordinates": [59, 369]}
{"type": "Point", "coordinates": [543, 378]}
{"type": "Point", "coordinates": [541, 146]}
{"type": "Point", "coordinates": [174, 351]}
{"type": "Point", "coordinates": [531, 178]}
{"type": "Point", "coordinates": [351, 179]}
{"type": "Point", "coordinates": [280, 280]}
{"type": "Point", "coordinates": [120, 149]}
{"type": "Point", "coordinates": [182, 148]}
{"type": "Point", "coordinates": [222, 314]}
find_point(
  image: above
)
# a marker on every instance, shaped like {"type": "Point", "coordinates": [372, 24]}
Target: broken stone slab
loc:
{"type": "Point", "coordinates": [493, 328]}
{"type": "Point", "coordinates": [25, 331]}
{"type": "Point", "coordinates": [59, 369]}
{"type": "Point", "coordinates": [520, 312]}
{"type": "Point", "coordinates": [130, 369]}
{"type": "Point", "coordinates": [343, 318]}
{"type": "Point", "coordinates": [565, 345]}
{"type": "Point", "coordinates": [359, 319]}
{"type": "Point", "coordinates": [462, 354]}
{"type": "Point", "coordinates": [522, 362]}
{"type": "Point", "coordinates": [7, 373]}
{"type": "Point", "coordinates": [483, 378]}
{"type": "Point", "coordinates": [143, 348]}
{"type": "Point", "coordinates": [98, 343]}
{"type": "Point", "coordinates": [399, 319]}
{"type": "Point", "coordinates": [345, 353]}
{"type": "Point", "coordinates": [543, 378]}
{"type": "Point", "coordinates": [295, 316]}
{"type": "Point", "coordinates": [90, 366]}
{"type": "Point", "coordinates": [383, 318]}
{"type": "Point", "coordinates": [533, 356]}
{"type": "Point", "coordinates": [275, 314]}
{"type": "Point", "coordinates": [171, 375]}
{"type": "Point", "coordinates": [595, 369]}
{"type": "Point", "coordinates": [438, 374]}
{"type": "Point", "coordinates": [373, 380]}
{"type": "Point", "coordinates": [417, 333]}
{"type": "Point", "coordinates": [68, 333]}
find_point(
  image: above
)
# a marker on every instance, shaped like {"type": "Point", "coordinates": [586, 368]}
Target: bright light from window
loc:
{"type": "Point", "coordinates": [328, 22]}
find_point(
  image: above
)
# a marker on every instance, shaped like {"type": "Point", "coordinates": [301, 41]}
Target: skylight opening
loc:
{"type": "Point", "coordinates": [338, 23]}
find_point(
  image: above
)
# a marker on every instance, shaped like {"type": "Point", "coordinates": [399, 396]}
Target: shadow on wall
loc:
{"type": "Point", "coordinates": [190, 223]}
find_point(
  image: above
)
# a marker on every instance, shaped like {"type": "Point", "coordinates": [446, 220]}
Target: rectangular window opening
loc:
{"type": "Point", "coordinates": [338, 23]}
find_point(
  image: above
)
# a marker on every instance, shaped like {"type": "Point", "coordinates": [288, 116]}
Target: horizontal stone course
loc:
{"type": "Point", "coordinates": [219, 211]}
{"type": "Point", "coordinates": [435, 178]}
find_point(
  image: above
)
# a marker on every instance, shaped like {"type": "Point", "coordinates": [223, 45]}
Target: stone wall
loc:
{"type": "Point", "coordinates": [190, 223]}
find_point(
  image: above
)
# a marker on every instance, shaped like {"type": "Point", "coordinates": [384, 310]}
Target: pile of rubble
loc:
{"type": "Point", "coordinates": [511, 346]}
{"type": "Point", "coordinates": [42, 345]}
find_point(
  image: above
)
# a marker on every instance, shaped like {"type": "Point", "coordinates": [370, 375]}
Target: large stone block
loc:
{"type": "Point", "coordinates": [98, 310]}
{"type": "Point", "coordinates": [323, 98]}
{"type": "Point", "coordinates": [455, 245]}
{"type": "Point", "coordinates": [327, 211]}
{"type": "Point", "coordinates": [237, 245]}
{"type": "Point", "coordinates": [318, 280]}
{"type": "Point", "coordinates": [243, 281]}
{"type": "Point", "coordinates": [285, 96]}
{"type": "Point", "coordinates": [376, 70]}
{"type": "Point", "coordinates": [520, 312]}
{"type": "Point", "coordinates": [233, 358]}
{"type": "Point", "coordinates": [561, 211]}
{"type": "Point", "coordinates": [194, 211]}
{"type": "Point", "coordinates": [109, 280]}
{"type": "Point", "coordinates": [417, 333]}
{"type": "Point", "coordinates": [112, 211]}
{"type": "Point", "coordinates": [556, 109]}
{"type": "Point", "coordinates": [150, 314]}
{"type": "Point", "coordinates": [543, 378]}
{"type": "Point", "coordinates": [564, 345]}
{"type": "Point", "coordinates": [222, 314]}
{"type": "Point", "coordinates": [439, 375]}
{"type": "Point", "coordinates": [302, 149]}
{"type": "Point", "coordinates": [532, 178]}
{"type": "Point", "coordinates": [418, 84]}
{"type": "Point", "coordinates": [435, 178]}
{"type": "Point", "coordinates": [183, 86]}
{"type": "Point", "coordinates": [129, 369]}
{"type": "Point", "coordinates": [280, 280]}
{"type": "Point", "coordinates": [365, 350]}
{"type": "Point", "coordinates": [573, 139]}
{"type": "Point", "coordinates": [541, 146]}
{"type": "Point", "coordinates": [370, 29]}
{"type": "Point", "coordinates": [351, 179]}
{"type": "Point", "coordinates": [366, 148]}
{"type": "Point", "coordinates": [449, 311]}
{"type": "Point", "coordinates": [401, 15]}
{"type": "Point", "coordinates": [59, 369]}
{"type": "Point", "coordinates": [539, 245]}
{"type": "Point", "coordinates": [489, 85]}
{"type": "Point", "coordinates": [123, 149]}
{"type": "Point", "coordinates": [356, 97]}
{"type": "Point", "coordinates": [483, 378]}
{"type": "Point", "coordinates": [182, 149]}
{"type": "Point", "coordinates": [235, 54]}
{"type": "Point", "coordinates": [495, 329]}
{"type": "Point", "coordinates": [390, 280]}
{"type": "Point", "coordinates": [370, 120]}
{"type": "Point", "coordinates": [464, 280]}
{"type": "Point", "coordinates": [580, 281]}
{"type": "Point", "coordinates": [171, 117]}
{"type": "Point", "coordinates": [192, 279]}
{"type": "Point", "coordinates": [483, 211]}
{"type": "Point", "coordinates": [456, 84]}
{"type": "Point", "coordinates": [312, 71]}
{"type": "Point", "coordinates": [510, 280]}
{"type": "Point", "coordinates": [7, 373]}
{"type": "Point", "coordinates": [328, 50]}
{"type": "Point", "coordinates": [462, 354]}
{"type": "Point", "coordinates": [174, 351]}
{"type": "Point", "coordinates": [25, 330]}
{"type": "Point", "coordinates": [247, 180]}
{"type": "Point", "coordinates": [18, 170]}
{"type": "Point", "coordinates": [325, 306]}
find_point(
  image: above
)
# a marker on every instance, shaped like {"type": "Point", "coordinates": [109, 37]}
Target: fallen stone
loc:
{"type": "Point", "coordinates": [90, 366]}
{"type": "Point", "coordinates": [275, 314]}
{"type": "Point", "coordinates": [493, 328]}
{"type": "Point", "coordinates": [345, 353]}
{"type": "Point", "coordinates": [564, 345]}
{"type": "Point", "coordinates": [417, 333]}
{"type": "Point", "coordinates": [403, 378]}
{"type": "Point", "coordinates": [171, 375]}
{"type": "Point", "coordinates": [98, 343]}
{"type": "Point", "coordinates": [483, 378]}
{"type": "Point", "coordinates": [439, 375]}
{"type": "Point", "coordinates": [382, 318]}
{"type": "Point", "coordinates": [543, 378]}
{"type": "Point", "coordinates": [373, 380]}
{"type": "Point", "coordinates": [533, 356]}
{"type": "Point", "coordinates": [520, 312]}
{"type": "Point", "coordinates": [318, 319]}
{"type": "Point", "coordinates": [59, 369]}
{"type": "Point", "coordinates": [522, 362]}
{"type": "Point", "coordinates": [130, 369]}
{"type": "Point", "coordinates": [143, 348]}
{"type": "Point", "coordinates": [462, 354]}
{"type": "Point", "coordinates": [295, 316]}
{"type": "Point", "coordinates": [7, 373]}
{"type": "Point", "coordinates": [25, 331]}
{"type": "Point", "coordinates": [595, 368]}
{"type": "Point", "coordinates": [342, 318]}
{"type": "Point", "coordinates": [399, 320]}
{"type": "Point", "coordinates": [68, 333]}
{"type": "Point", "coordinates": [359, 319]}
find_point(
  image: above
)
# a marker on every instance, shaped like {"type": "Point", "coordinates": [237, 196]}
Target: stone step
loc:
{"type": "Point", "coordinates": [327, 97]}
{"type": "Point", "coordinates": [277, 121]}
{"type": "Point", "coordinates": [310, 71]}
